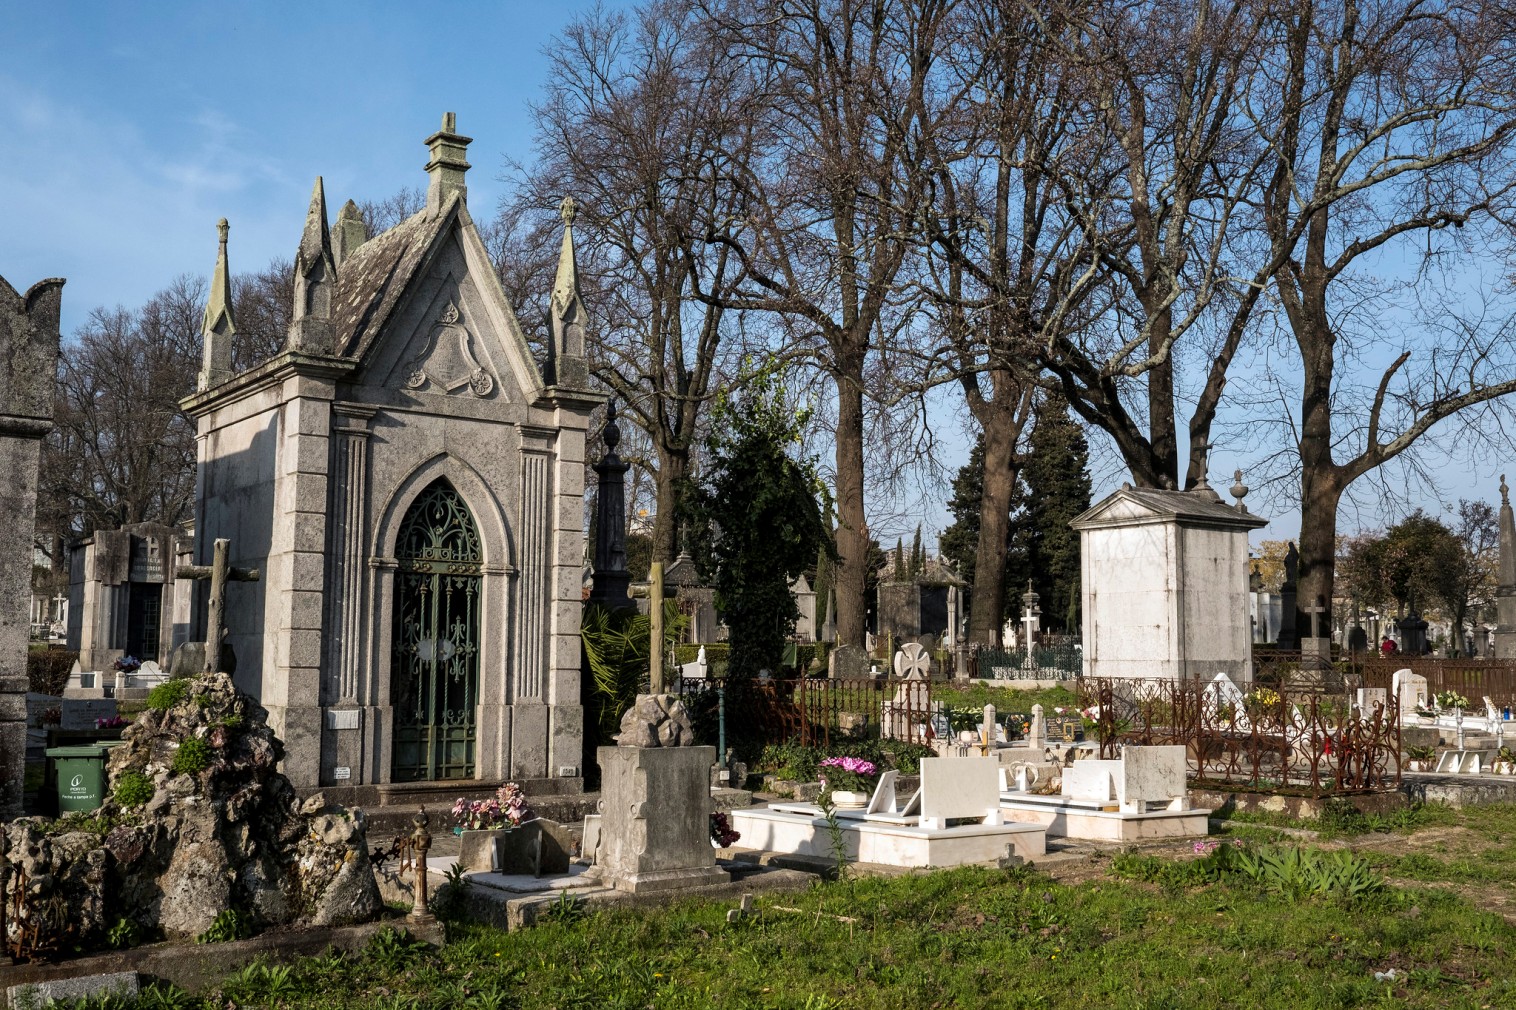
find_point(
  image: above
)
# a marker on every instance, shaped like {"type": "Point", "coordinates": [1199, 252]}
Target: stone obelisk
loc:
{"type": "Point", "coordinates": [1505, 591]}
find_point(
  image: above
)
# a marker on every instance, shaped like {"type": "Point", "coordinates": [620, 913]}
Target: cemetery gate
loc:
{"type": "Point", "coordinates": [435, 659]}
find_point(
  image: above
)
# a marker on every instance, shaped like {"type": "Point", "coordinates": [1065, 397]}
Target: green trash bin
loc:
{"type": "Point", "coordinates": [80, 775]}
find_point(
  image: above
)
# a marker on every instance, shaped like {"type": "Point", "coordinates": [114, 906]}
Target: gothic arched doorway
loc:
{"type": "Point", "coordinates": [434, 663]}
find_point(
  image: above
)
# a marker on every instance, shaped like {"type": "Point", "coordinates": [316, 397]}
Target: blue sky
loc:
{"type": "Point", "coordinates": [129, 129]}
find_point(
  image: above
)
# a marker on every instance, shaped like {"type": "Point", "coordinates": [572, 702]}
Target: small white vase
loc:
{"type": "Point", "coordinates": [844, 799]}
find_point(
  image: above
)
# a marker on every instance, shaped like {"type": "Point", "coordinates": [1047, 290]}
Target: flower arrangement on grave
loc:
{"type": "Point", "coordinates": [111, 722]}
{"type": "Point", "coordinates": [1450, 699]}
{"type": "Point", "coordinates": [849, 774]}
{"type": "Point", "coordinates": [506, 809]}
{"type": "Point", "coordinates": [127, 664]}
{"type": "Point", "coordinates": [962, 717]}
{"type": "Point", "coordinates": [722, 834]}
{"type": "Point", "coordinates": [1505, 762]}
{"type": "Point", "coordinates": [1420, 758]}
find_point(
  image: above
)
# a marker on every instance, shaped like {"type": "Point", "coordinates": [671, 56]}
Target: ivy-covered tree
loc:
{"type": "Point", "coordinates": [762, 507]}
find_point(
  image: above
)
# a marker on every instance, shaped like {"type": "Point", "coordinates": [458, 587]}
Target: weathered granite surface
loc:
{"type": "Point", "coordinates": [28, 367]}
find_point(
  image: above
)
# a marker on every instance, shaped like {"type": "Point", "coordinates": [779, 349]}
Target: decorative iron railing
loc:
{"type": "Point", "coordinates": [1062, 660]}
{"type": "Point", "coordinates": [817, 710]}
{"type": "Point", "coordinates": [1267, 738]}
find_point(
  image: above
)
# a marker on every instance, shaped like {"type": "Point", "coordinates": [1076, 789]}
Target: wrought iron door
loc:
{"type": "Point", "coordinates": [435, 657]}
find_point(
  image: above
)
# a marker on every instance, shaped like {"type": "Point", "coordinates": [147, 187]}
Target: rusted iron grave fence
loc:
{"type": "Point", "coordinates": [1473, 678]}
{"type": "Point", "coordinates": [1266, 738]}
{"type": "Point", "coordinates": [817, 710]}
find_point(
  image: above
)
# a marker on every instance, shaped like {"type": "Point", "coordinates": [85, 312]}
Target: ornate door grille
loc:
{"type": "Point", "coordinates": [435, 657]}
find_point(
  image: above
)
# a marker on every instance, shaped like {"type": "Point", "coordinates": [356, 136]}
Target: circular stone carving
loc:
{"type": "Point", "coordinates": [480, 382]}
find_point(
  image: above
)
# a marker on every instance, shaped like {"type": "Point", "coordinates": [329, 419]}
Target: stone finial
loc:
{"type": "Point", "coordinates": [566, 365]}
{"type": "Point", "coordinates": [1239, 490]}
{"type": "Point", "coordinates": [1505, 492]}
{"type": "Point", "coordinates": [218, 324]}
{"type": "Point", "coordinates": [1202, 484]}
{"type": "Point", "coordinates": [447, 164]}
{"type": "Point", "coordinates": [350, 232]}
{"type": "Point", "coordinates": [315, 281]}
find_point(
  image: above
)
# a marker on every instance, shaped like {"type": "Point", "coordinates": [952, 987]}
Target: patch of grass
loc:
{"type": "Point", "coordinates": [229, 924]}
{"type": "Point", "coordinates": [167, 694]}
{"type": "Point", "coordinates": [1006, 699]}
{"type": "Point", "coordinates": [1341, 820]}
{"type": "Point", "coordinates": [973, 938]}
{"type": "Point", "coordinates": [133, 788]}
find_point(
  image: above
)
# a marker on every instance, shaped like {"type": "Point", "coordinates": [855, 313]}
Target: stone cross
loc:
{"type": "Point", "coordinates": [655, 592]}
{"type": "Point", "coordinates": [1315, 610]}
{"type": "Point", "coordinates": [215, 619]}
{"type": "Point", "coordinates": [912, 662]}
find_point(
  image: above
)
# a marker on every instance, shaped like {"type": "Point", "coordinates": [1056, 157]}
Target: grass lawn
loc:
{"type": "Point", "coordinates": [1006, 699]}
{"type": "Point", "coordinates": [975, 937]}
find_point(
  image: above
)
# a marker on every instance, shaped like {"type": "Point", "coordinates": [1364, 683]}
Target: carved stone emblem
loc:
{"type": "Point", "coordinates": [446, 362]}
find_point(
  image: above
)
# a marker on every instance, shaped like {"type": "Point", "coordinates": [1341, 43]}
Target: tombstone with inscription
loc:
{"type": "Point", "coordinates": [848, 662]}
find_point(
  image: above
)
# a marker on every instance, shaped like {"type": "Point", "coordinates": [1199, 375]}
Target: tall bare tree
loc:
{"type": "Point", "coordinates": [1168, 177]}
{"type": "Point", "coordinates": [644, 123]}
{"type": "Point", "coordinates": [830, 200]}
{"type": "Point", "coordinates": [1391, 128]}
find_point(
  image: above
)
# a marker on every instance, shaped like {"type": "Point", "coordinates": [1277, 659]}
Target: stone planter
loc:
{"type": "Point", "coordinates": [844, 799]}
{"type": "Point", "coordinates": [1414, 765]}
{"type": "Point", "coordinates": [479, 848]}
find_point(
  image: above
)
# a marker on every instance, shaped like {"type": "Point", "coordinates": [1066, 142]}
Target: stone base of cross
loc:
{"type": "Point", "coordinates": [219, 572]}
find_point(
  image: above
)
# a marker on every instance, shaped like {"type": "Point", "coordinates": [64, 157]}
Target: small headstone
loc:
{"type": "Point", "coordinates": [1411, 689]}
{"type": "Point", "coordinates": [928, 643]}
{"type": "Point", "coordinates": [1368, 697]}
{"type": "Point", "coordinates": [81, 713]}
{"type": "Point", "coordinates": [187, 661]}
{"type": "Point", "coordinates": [848, 662]}
{"type": "Point", "coordinates": [1038, 734]}
{"type": "Point", "coordinates": [989, 725]}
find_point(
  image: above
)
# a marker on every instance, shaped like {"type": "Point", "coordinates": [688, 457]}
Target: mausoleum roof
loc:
{"type": "Point", "coordinates": [373, 277]}
{"type": "Point", "coordinates": [1129, 505]}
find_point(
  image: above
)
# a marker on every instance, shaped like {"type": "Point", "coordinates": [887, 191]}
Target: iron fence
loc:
{"type": "Point", "coordinates": [1268, 738]}
{"type": "Point", "coordinates": [1475, 679]}
{"type": "Point", "coordinates": [1060, 660]}
{"type": "Point", "coordinates": [815, 709]}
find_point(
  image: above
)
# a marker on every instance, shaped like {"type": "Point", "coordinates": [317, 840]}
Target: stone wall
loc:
{"type": "Point", "coordinates": [28, 368]}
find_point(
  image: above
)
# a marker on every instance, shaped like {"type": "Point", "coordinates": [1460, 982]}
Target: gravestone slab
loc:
{"type": "Point", "coordinates": [957, 788]}
{"type": "Point", "coordinates": [1091, 780]}
{"type": "Point", "coordinates": [1411, 689]}
{"type": "Point", "coordinates": [37, 704]}
{"type": "Point", "coordinates": [1151, 775]}
{"type": "Point", "coordinates": [1368, 697]}
{"type": "Point", "coordinates": [81, 713]}
{"type": "Point", "coordinates": [36, 995]}
{"type": "Point", "coordinates": [848, 662]}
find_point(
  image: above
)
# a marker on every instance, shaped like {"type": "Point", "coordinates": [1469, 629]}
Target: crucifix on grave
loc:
{"type": "Point", "coordinates": [219, 572]}
{"type": "Point", "coordinates": [655, 593]}
{"type": "Point", "coordinates": [1316, 643]}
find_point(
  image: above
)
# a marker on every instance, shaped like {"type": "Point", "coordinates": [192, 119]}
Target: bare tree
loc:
{"type": "Point", "coordinates": [122, 451]}
{"type": "Point", "coordinates": [830, 199]}
{"type": "Point", "coordinates": [1389, 127]}
{"type": "Point", "coordinates": [645, 125]}
{"type": "Point", "coordinates": [1166, 178]}
{"type": "Point", "coordinates": [262, 302]}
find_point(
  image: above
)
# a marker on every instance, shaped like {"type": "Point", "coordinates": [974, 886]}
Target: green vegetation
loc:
{"type": "Point", "coordinates": [192, 757]}
{"type": "Point", "coordinates": [974, 938]}
{"type": "Point", "coordinates": [133, 788]}
{"type": "Point", "coordinates": [1340, 819]}
{"type": "Point", "coordinates": [1006, 699]}
{"type": "Point", "coordinates": [229, 924]}
{"type": "Point", "coordinates": [798, 763]}
{"type": "Point", "coordinates": [167, 694]}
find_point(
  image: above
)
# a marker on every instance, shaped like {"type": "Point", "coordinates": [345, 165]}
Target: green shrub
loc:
{"type": "Point", "coordinates": [133, 789]}
{"type": "Point", "coordinates": [193, 756]}
{"type": "Point", "coordinates": [127, 932]}
{"type": "Point", "coordinates": [229, 924]}
{"type": "Point", "coordinates": [167, 694]}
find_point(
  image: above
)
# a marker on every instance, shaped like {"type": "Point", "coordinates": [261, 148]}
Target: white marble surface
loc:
{"type": "Point", "coordinates": [887, 844]}
{"type": "Point", "coordinates": [959, 787]}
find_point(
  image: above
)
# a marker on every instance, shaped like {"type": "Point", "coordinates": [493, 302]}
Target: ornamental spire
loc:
{"type": "Point", "coordinates": [218, 325]}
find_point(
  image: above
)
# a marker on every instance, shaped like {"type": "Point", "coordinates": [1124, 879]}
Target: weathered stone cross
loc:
{"type": "Point", "coordinates": [215, 620]}
{"type": "Point", "coordinates": [1316, 611]}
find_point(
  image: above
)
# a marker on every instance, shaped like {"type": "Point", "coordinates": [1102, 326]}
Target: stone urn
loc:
{"type": "Point", "coordinates": [846, 799]}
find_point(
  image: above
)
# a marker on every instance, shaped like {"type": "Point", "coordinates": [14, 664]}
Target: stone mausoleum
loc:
{"type": "Point", "coordinates": [1164, 581]}
{"type": "Point", "coordinates": [408, 480]}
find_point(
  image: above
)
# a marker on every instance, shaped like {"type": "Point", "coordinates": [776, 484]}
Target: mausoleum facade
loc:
{"type": "Point", "coordinates": [409, 483]}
